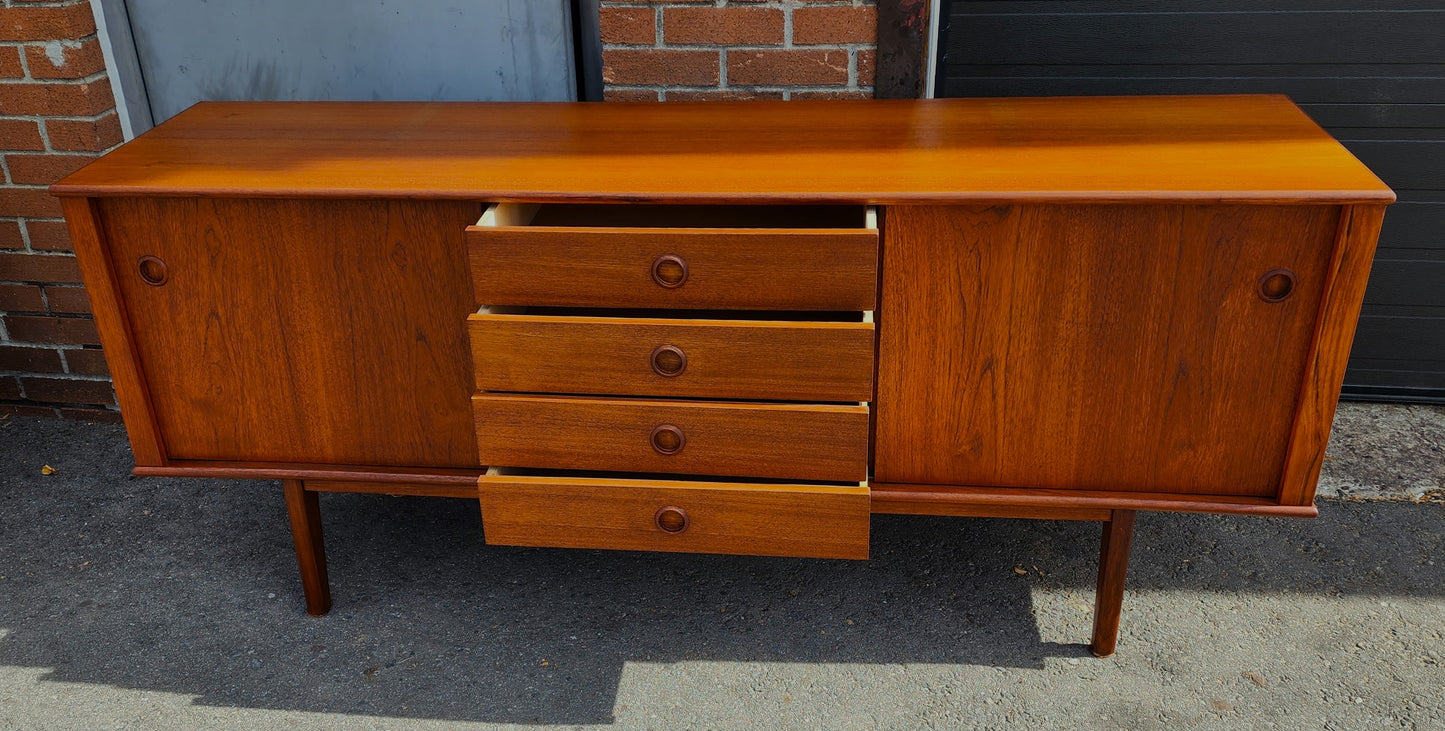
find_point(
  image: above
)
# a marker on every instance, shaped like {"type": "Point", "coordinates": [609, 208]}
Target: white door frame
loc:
{"type": "Point", "coordinates": [112, 23]}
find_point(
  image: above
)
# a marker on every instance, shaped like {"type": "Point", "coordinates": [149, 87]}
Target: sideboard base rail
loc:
{"type": "Point", "coordinates": [1019, 502]}
{"type": "Point", "coordinates": [304, 509]}
{"type": "Point", "coordinates": [421, 481]}
{"type": "Point", "coordinates": [891, 498]}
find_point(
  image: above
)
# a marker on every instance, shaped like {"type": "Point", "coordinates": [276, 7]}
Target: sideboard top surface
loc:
{"type": "Point", "coordinates": [1103, 149]}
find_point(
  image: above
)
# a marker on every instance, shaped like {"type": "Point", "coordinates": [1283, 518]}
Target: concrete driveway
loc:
{"type": "Point", "coordinates": [168, 603]}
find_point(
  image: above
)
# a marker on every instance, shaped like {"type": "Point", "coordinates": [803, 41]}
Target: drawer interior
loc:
{"type": "Point", "coordinates": [676, 257]}
{"type": "Point", "coordinates": [701, 316]}
{"type": "Point", "coordinates": [699, 481]}
{"type": "Point", "coordinates": [604, 215]}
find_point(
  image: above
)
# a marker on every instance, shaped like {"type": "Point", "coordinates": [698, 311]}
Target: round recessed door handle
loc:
{"type": "Point", "coordinates": [669, 271]}
{"type": "Point", "coordinates": [671, 519]}
{"type": "Point", "coordinates": [1276, 285]}
{"type": "Point", "coordinates": [667, 439]}
{"type": "Point", "coordinates": [153, 270]}
{"type": "Point", "coordinates": [668, 361]}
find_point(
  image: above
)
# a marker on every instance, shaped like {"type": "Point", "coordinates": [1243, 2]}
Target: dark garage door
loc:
{"type": "Point", "coordinates": [1372, 72]}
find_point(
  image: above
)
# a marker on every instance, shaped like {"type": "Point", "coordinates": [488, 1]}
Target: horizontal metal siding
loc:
{"type": "Point", "coordinates": [1372, 73]}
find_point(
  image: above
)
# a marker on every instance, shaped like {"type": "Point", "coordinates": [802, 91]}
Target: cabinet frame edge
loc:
{"type": "Point", "coordinates": [87, 235]}
{"type": "Point", "coordinates": [1349, 272]}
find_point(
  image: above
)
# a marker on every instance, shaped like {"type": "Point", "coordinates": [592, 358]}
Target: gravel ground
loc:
{"type": "Point", "coordinates": [1385, 452]}
{"type": "Point", "coordinates": [160, 603]}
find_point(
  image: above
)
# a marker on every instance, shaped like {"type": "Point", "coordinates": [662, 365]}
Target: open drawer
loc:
{"type": "Point", "coordinates": [712, 355]}
{"type": "Point", "coordinates": [770, 440]}
{"type": "Point", "coordinates": [681, 515]}
{"type": "Point", "coordinates": [674, 256]}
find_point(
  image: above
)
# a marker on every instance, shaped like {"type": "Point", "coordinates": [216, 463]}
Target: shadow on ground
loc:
{"type": "Point", "coordinates": [190, 586]}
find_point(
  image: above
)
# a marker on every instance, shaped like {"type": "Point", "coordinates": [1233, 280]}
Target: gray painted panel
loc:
{"type": "Point", "coordinates": [1414, 224]}
{"type": "Point", "coordinates": [1420, 339]}
{"type": "Point", "coordinates": [1403, 164]}
{"type": "Point", "coordinates": [405, 50]}
{"type": "Point", "coordinates": [1135, 80]}
{"type": "Point", "coordinates": [1387, 384]}
{"type": "Point", "coordinates": [112, 27]}
{"type": "Point", "coordinates": [1265, 37]}
{"type": "Point", "coordinates": [1426, 117]}
{"type": "Point", "coordinates": [1030, 7]}
{"type": "Point", "coordinates": [1408, 278]}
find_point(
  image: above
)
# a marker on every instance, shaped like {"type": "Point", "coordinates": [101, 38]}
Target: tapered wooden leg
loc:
{"type": "Point", "coordinates": [1113, 567]}
{"type": "Point", "coordinates": [305, 512]}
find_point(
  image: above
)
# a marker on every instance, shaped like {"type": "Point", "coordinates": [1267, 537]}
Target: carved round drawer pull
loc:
{"type": "Point", "coordinates": [1276, 285]}
{"type": "Point", "coordinates": [669, 271]}
{"type": "Point", "coordinates": [152, 270]}
{"type": "Point", "coordinates": [668, 439]}
{"type": "Point", "coordinates": [671, 519]}
{"type": "Point", "coordinates": [668, 361]}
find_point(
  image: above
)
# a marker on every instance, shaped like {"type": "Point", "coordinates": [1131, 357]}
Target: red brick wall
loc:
{"type": "Point", "coordinates": [56, 114]}
{"type": "Point", "coordinates": [701, 49]}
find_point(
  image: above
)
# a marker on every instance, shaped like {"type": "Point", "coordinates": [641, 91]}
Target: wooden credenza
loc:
{"type": "Point", "coordinates": [736, 328]}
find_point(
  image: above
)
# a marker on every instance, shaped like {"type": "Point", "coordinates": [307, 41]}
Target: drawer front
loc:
{"type": "Point", "coordinates": [786, 441]}
{"type": "Point", "coordinates": [786, 269]}
{"type": "Point", "coordinates": [800, 361]}
{"type": "Point", "coordinates": [672, 515]}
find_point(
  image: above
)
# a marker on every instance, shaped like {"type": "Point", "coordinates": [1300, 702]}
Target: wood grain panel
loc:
{"type": "Point", "coordinates": [812, 521]}
{"type": "Point", "coordinates": [1116, 348]}
{"type": "Point", "coordinates": [880, 151]}
{"type": "Point", "coordinates": [786, 441]}
{"type": "Point", "coordinates": [727, 269]}
{"type": "Point", "coordinates": [302, 331]}
{"type": "Point", "coordinates": [738, 359]}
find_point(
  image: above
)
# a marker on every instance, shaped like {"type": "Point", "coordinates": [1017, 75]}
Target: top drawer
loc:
{"type": "Point", "coordinates": [695, 257]}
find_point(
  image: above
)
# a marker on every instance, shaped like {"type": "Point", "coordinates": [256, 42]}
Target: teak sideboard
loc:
{"type": "Point", "coordinates": [736, 327]}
